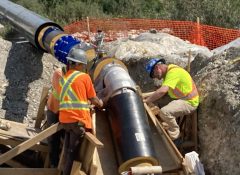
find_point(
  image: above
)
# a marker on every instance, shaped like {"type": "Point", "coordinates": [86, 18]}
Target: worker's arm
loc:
{"type": "Point", "coordinates": [157, 94]}
{"type": "Point", "coordinates": [97, 102]}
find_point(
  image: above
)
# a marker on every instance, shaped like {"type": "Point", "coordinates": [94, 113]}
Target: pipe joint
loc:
{"type": "Point", "coordinates": [63, 46]}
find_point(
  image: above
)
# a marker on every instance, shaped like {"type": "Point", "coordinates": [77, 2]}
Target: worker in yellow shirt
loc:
{"type": "Point", "coordinates": [179, 85]}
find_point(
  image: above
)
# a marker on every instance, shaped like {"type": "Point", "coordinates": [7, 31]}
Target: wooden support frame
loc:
{"type": "Point", "coordinates": [162, 131]}
{"type": "Point", "coordinates": [193, 142]}
{"type": "Point", "coordinates": [13, 143]}
{"type": "Point", "coordinates": [28, 171]}
{"type": "Point", "coordinates": [167, 139]}
{"type": "Point", "coordinates": [29, 143]}
{"type": "Point", "coordinates": [90, 143]}
{"type": "Point", "coordinates": [43, 101]}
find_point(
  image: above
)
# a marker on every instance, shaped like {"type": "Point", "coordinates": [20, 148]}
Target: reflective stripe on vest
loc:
{"type": "Point", "coordinates": [53, 90]}
{"type": "Point", "coordinates": [55, 94]}
{"type": "Point", "coordinates": [180, 95]}
{"type": "Point", "coordinates": [74, 102]}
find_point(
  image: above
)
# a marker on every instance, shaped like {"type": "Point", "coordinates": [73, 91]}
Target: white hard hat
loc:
{"type": "Point", "coordinates": [77, 55]}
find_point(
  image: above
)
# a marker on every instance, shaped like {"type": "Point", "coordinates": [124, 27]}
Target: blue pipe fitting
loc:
{"type": "Point", "coordinates": [63, 46]}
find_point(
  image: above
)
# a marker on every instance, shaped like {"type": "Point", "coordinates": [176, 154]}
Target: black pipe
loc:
{"type": "Point", "coordinates": [131, 130]}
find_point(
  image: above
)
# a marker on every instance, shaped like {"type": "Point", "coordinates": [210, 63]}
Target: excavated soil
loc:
{"type": "Point", "coordinates": [25, 71]}
{"type": "Point", "coordinates": [218, 80]}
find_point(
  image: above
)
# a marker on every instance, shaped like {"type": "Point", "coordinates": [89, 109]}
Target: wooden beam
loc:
{"type": "Point", "coordinates": [43, 101]}
{"type": "Point", "coordinates": [162, 131]}
{"type": "Point", "coordinates": [76, 168]}
{"type": "Point", "coordinates": [86, 162]}
{"type": "Point", "coordinates": [91, 138]}
{"type": "Point", "coordinates": [146, 94]}
{"type": "Point", "coordinates": [29, 143]}
{"type": "Point", "coordinates": [28, 171]}
{"type": "Point", "coordinates": [13, 143]}
{"type": "Point", "coordinates": [14, 164]}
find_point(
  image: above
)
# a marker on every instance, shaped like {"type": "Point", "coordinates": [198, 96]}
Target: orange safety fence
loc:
{"type": "Point", "coordinates": [205, 35]}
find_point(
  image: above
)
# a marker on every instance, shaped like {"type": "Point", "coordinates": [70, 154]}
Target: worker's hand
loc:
{"type": "Point", "coordinates": [145, 99]}
{"type": "Point", "coordinates": [101, 104]}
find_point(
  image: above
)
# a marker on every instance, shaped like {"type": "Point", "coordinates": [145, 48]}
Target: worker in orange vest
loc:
{"type": "Point", "coordinates": [52, 116]}
{"type": "Point", "coordinates": [76, 90]}
{"type": "Point", "coordinates": [179, 85]}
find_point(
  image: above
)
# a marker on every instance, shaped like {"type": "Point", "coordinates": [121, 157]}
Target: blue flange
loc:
{"type": "Point", "coordinates": [62, 47]}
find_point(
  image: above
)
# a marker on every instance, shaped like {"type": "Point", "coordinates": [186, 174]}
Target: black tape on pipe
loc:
{"type": "Point", "coordinates": [130, 127]}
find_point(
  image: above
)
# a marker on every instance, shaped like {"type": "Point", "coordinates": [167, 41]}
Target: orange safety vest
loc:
{"type": "Point", "coordinates": [53, 98]}
{"type": "Point", "coordinates": [73, 107]}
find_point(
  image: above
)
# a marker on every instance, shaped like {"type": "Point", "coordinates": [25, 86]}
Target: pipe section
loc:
{"type": "Point", "coordinates": [40, 31]}
{"type": "Point", "coordinates": [129, 123]}
{"type": "Point", "coordinates": [131, 130]}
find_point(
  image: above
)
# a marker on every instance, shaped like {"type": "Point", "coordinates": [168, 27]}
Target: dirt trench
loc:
{"type": "Point", "coordinates": [25, 70]}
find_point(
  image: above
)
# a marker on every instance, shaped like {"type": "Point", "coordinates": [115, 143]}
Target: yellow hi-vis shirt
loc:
{"type": "Point", "coordinates": [181, 85]}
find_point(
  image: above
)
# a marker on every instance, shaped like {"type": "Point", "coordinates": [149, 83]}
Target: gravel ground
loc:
{"type": "Point", "coordinates": [25, 71]}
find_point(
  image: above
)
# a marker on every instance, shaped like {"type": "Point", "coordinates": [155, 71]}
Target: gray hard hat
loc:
{"type": "Point", "coordinates": [77, 55]}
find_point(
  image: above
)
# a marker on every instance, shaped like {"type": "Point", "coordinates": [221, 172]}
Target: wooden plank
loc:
{"type": "Point", "coordinates": [94, 167]}
{"type": "Point", "coordinates": [14, 164]}
{"type": "Point", "coordinates": [76, 168]}
{"type": "Point", "coordinates": [13, 143]}
{"type": "Point", "coordinates": [19, 130]}
{"type": "Point", "coordinates": [162, 132]}
{"type": "Point", "coordinates": [42, 104]}
{"type": "Point", "coordinates": [146, 94]}
{"type": "Point", "coordinates": [28, 171]}
{"type": "Point", "coordinates": [91, 138]}
{"type": "Point", "coordinates": [86, 162]}
{"type": "Point", "coordinates": [29, 143]}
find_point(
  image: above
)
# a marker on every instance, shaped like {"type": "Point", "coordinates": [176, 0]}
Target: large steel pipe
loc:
{"type": "Point", "coordinates": [131, 130]}
{"type": "Point", "coordinates": [25, 21]}
{"type": "Point", "coordinates": [129, 122]}
{"type": "Point", "coordinates": [40, 31]}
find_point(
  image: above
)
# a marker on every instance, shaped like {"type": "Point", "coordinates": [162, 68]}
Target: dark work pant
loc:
{"type": "Point", "coordinates": [54, 140]}
{"type": "Point", "coordinates": [74, 134]}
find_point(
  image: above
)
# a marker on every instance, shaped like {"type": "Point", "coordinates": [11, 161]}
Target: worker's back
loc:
{"type": "Point", "coordinates": [53, 98]}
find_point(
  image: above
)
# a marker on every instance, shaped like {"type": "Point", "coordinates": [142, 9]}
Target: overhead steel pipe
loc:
{"type": "Point", "coordinates": [40, 31]}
